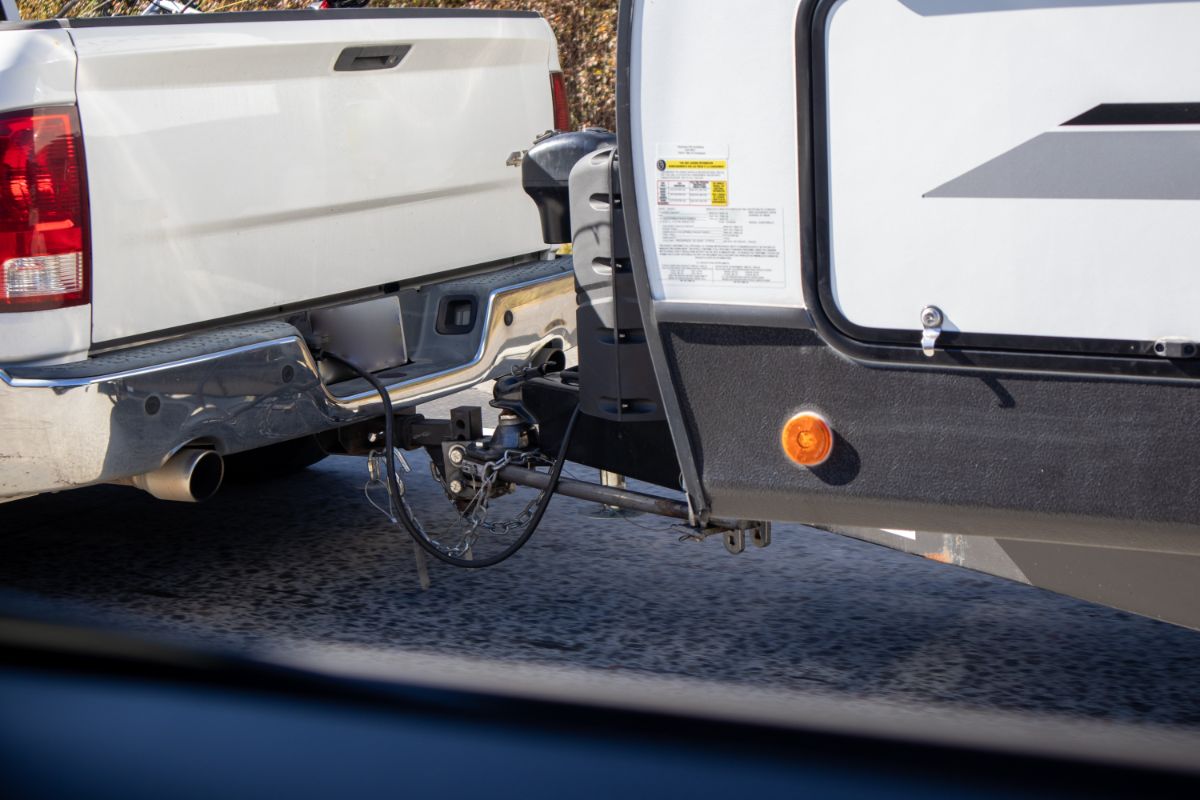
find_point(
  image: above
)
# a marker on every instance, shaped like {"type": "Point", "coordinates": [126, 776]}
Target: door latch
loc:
{"type": "Point", "coordinates": [931, 329]}
{"type": "Point", "coordinates": [1171, 347]}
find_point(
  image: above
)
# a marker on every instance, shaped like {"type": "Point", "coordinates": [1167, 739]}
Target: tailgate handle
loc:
{"type": "Point", "coordinates": [356, 59]}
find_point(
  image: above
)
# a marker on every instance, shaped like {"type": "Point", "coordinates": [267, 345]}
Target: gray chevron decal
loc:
{"type": "Point", "coordinates": [1146, 162]}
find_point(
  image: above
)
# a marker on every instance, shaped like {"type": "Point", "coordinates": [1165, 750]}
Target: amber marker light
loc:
{"type": "Point", "coordinates": [807, 439]}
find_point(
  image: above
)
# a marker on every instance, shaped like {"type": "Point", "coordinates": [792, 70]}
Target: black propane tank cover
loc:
{"type": "Point", "coordinates": [545, 170]}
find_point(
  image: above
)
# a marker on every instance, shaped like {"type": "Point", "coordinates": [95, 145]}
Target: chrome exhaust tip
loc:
{"type": "Point", "coordinates": [189, 476]}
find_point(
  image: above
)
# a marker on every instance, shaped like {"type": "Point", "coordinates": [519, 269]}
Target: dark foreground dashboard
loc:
{"type": "Point", "coordinates": [85, 713]}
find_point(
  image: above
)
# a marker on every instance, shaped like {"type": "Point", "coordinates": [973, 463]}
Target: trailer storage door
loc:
{"type": "Point", "coordinates": [1031, 169]}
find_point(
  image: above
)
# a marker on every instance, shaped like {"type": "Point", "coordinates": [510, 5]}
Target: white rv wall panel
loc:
{"type": "Point", "coordinates": [713, 98]}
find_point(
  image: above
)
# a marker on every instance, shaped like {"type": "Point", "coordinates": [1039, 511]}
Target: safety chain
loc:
{"type": "Point", "coordinates": [474, 514]}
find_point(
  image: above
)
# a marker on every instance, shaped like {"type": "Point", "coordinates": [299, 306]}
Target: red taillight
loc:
{"type": "Point", "coordinates": [562, 112]}
{"type": "Point", "coordinates": [43, 211]}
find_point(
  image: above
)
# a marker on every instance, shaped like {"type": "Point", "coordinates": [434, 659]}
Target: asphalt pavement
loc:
{"type": "Point", "coordinates": [306, 564]}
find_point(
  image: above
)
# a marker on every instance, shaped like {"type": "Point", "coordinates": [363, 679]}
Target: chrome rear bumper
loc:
{"type": "Point", "coordinates": [233, 390]}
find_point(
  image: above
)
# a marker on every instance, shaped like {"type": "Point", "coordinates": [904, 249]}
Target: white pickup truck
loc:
{"type": "Point", "coordinates": [195, 209]}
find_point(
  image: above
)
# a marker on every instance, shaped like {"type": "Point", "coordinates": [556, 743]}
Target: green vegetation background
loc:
{"type": "Point", "coordinates": [586, 30]}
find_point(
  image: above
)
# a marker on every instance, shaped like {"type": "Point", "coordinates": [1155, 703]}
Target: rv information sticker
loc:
{"type": "Point", "coordinates": [702, 239]}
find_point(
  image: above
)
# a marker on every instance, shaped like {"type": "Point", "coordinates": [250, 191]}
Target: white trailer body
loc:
{"type": "Point", "coordinates": [961, 234]}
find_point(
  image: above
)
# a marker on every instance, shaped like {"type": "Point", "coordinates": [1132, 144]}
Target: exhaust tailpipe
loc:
{"type": "Point", "coordinates": [189, 476]}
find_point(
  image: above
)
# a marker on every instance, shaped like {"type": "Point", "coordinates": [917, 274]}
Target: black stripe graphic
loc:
{"type": "Point", "coordinates": [1140, 114]}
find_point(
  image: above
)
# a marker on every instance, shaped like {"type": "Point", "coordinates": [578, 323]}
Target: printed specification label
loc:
{"type": "Point", "coordinates": [720, 246]}
{"type": "Point", "coordinates": [702, 240]}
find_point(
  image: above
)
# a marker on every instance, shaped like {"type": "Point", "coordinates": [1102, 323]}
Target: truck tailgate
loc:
{"type": "Point", "coordinates": [234, 168]}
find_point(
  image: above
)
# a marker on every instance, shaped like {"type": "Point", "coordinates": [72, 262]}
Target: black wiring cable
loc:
{"type": "Point", "coordinates": [412, 526]}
